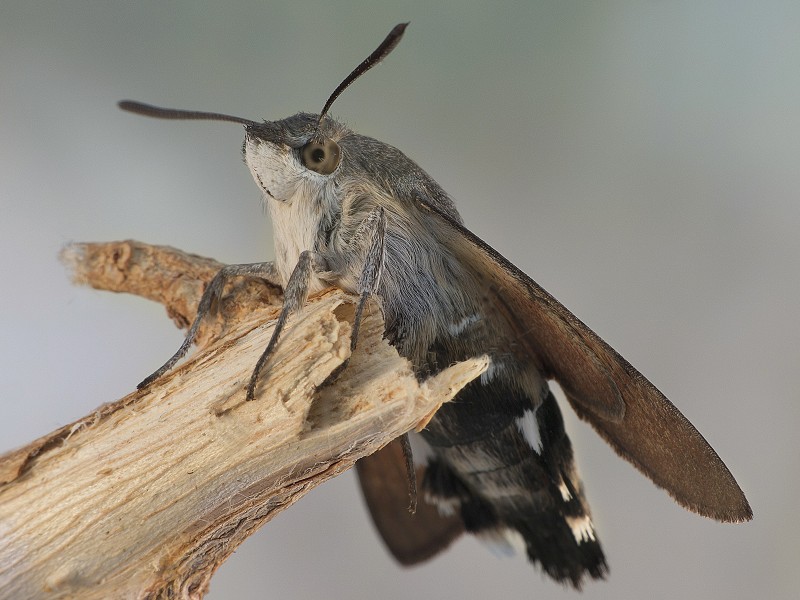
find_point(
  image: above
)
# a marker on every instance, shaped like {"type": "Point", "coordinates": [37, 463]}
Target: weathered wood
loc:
{"type": "Point", "coordinates": [148, 495]}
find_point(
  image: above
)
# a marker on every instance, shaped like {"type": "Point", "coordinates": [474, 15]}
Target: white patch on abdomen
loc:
{"type": "Point", "coordinates": [457, 329]}
{"type": "Point", "coordinates": [495, 368]}
{"type": "Point", "coordinates": [565, 495]}
{"type": "Point", "coordinates": [529, 427]}
{"type": "Point", "coordinates": [503, 541]}
{"type": "Point", "coordinates": [447, 507]}
{"type": "Point", "coordinates": [582, 528]}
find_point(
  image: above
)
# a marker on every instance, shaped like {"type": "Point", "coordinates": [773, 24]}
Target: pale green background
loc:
{"type": "Point", "coordinates": [638, 159]}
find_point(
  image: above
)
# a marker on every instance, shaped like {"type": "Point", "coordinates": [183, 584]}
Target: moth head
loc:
{"type": "Point", "coordinates": [303, 150]}
{"type": "Point", "coordinates": [294, 155]}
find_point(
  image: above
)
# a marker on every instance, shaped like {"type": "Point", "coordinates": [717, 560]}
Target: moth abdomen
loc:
{"type": "Point", "coordinates": [503, 462]}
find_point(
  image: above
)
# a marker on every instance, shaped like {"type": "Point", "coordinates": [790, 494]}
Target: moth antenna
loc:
{"type": "Point", "coordinates": [373, 59]}
{"type": "Point", "coordinates": [148, 110]}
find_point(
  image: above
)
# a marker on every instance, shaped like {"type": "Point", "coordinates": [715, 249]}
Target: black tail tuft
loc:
{"type": "Point", "coordinates": [552, 543]}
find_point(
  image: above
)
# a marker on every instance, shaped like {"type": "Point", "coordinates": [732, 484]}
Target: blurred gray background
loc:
{"type": "Point", "coordinates": [638, 159]}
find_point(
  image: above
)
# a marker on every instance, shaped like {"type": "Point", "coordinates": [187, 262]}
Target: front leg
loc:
{"type": "Point", "coordinates": [208, 304]}
{"type": "Point", "coordinates": [368, 241]}
{"type": "Point", "coordinates": [294, 298]}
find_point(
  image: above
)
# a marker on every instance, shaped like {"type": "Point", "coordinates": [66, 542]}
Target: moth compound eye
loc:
{"type": "Point", "coordinates": [321, 156]}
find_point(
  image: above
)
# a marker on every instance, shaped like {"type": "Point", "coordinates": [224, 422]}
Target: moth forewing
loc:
{"type": "Point", "coordinates": [628, 411]}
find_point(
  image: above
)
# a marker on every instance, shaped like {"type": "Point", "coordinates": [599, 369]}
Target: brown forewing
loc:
{"type": "Point", "coordinates": [636, 419]}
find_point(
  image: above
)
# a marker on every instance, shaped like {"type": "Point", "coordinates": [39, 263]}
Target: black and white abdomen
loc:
{"type": "Point", "coordinates": [502, 460]}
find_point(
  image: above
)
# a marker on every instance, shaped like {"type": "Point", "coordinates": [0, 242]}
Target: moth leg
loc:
{"type": "Point", "coordinates": [411, 473]}
{"type": "Point", "coordinates": [294, 298]}
{"type": "Point", "coordinates": [374, 229]}
{"type": "Point", "coordinates": [370, 236]}
{"type": "Point", "coordinates": [208, 304]}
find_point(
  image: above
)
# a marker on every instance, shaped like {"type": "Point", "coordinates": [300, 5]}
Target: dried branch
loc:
{"type": "Point", "coordinates": [148, 495]}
